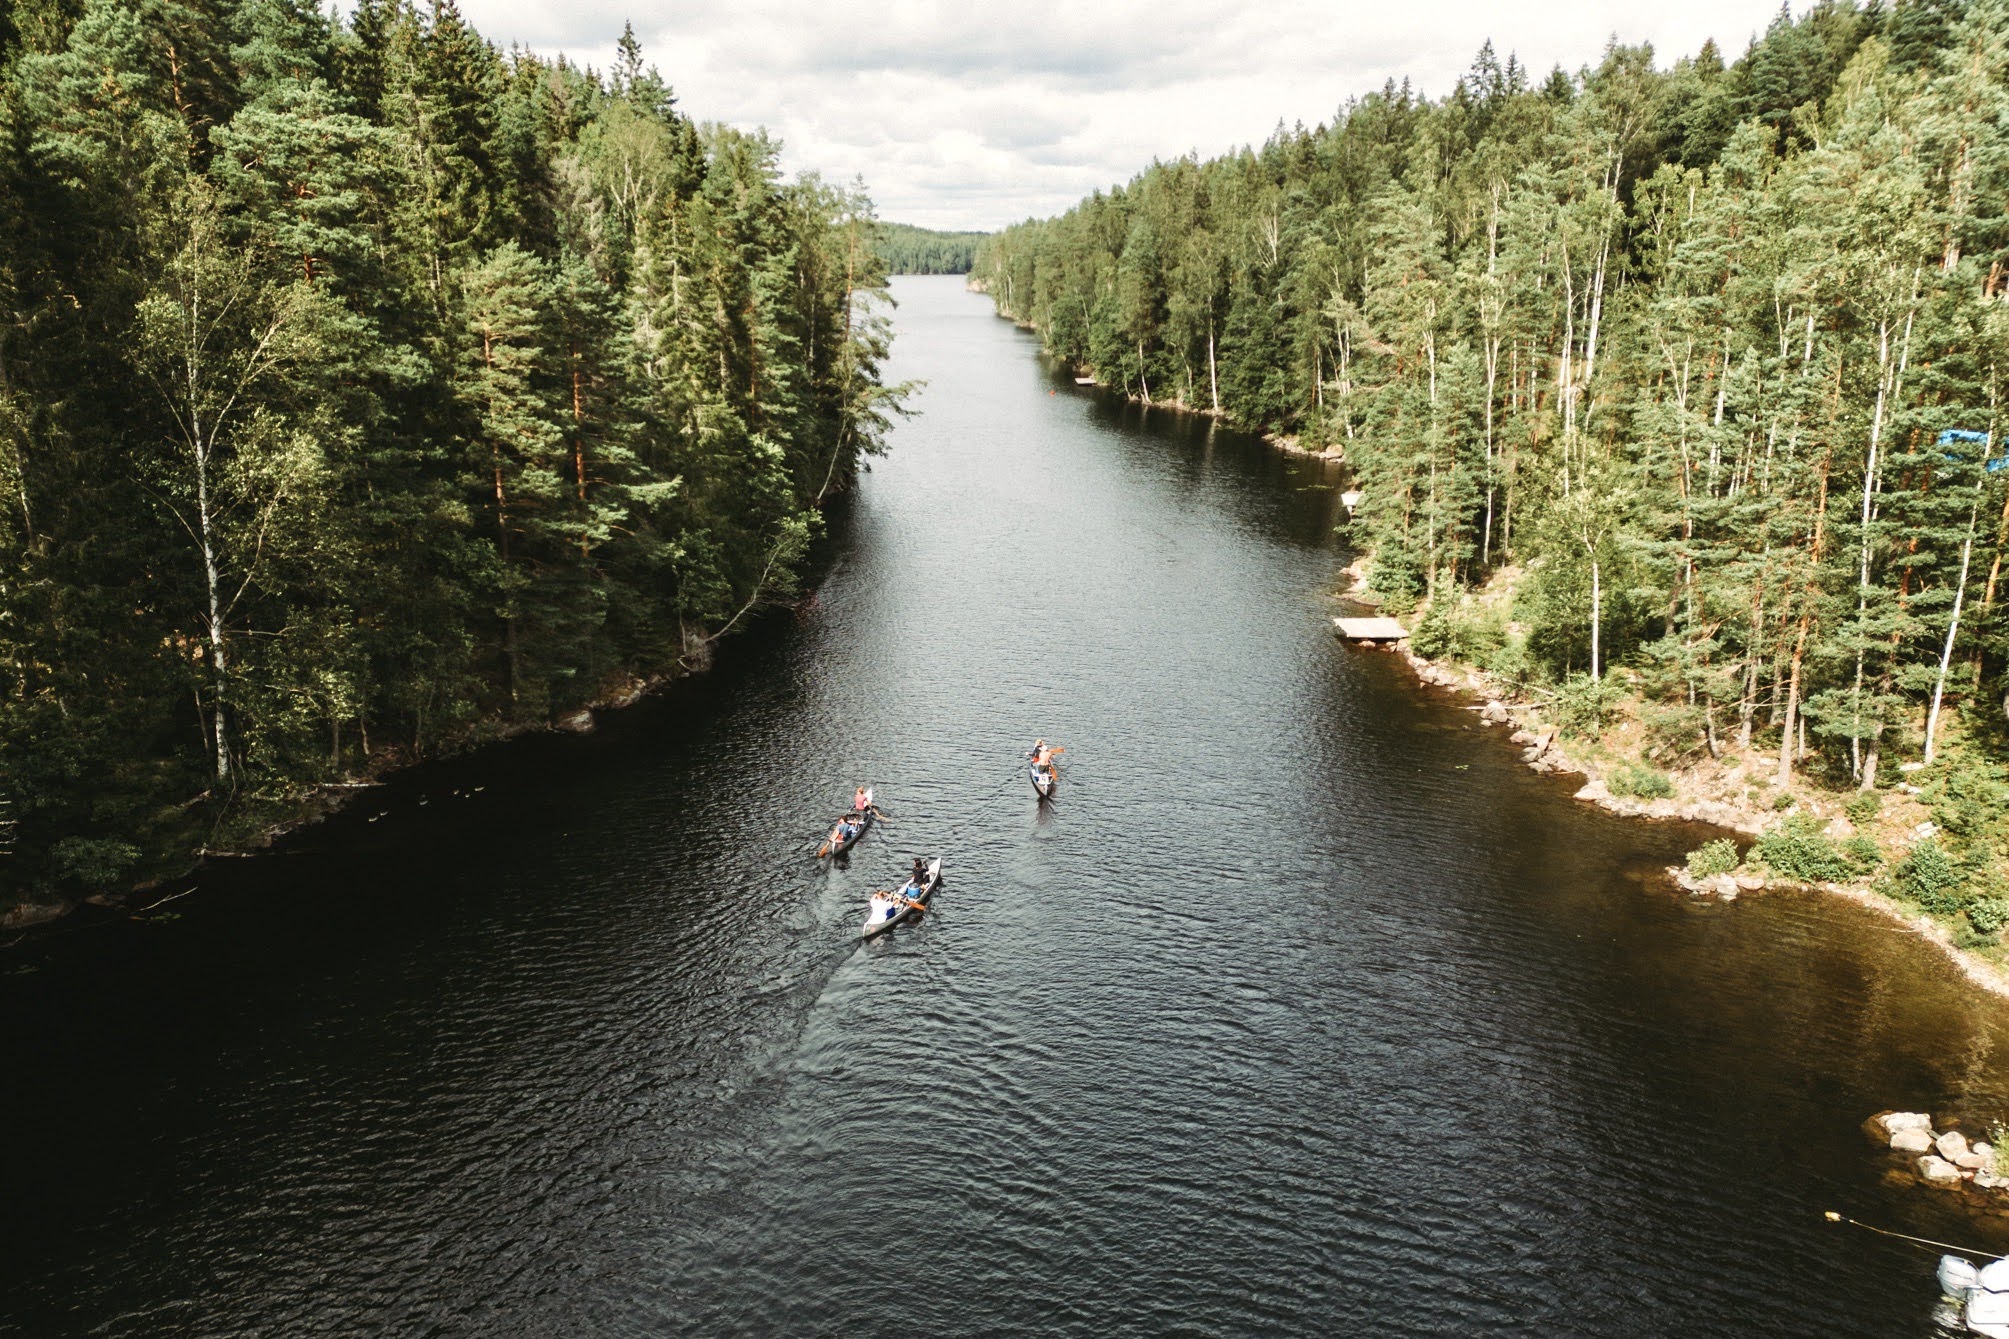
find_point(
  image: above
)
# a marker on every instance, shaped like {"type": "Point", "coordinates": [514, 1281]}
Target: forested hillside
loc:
{"type": "Point", "coordinates": [906, 249]}
{"type": "Point", "coordinates": [1708, 362]}
{"type": "Point", "coordinates": [364, 388]}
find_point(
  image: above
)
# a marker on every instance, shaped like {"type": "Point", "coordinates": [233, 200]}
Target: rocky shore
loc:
{"type": "Point", "coordinates": [1733, 793]}
{"type": "Point", "coordinates": [1941, 1159]}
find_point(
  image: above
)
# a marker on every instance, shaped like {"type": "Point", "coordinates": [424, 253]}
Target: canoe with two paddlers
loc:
{"type": "Point", "coordinates": [1042, 770]}
{"type": "Point", "coordinates": [847, 830]}
{"type": "Point", "coordinates": [890, 909]}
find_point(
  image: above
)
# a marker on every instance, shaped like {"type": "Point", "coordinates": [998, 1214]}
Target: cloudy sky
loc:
{"type": "Point", "coordinates": [974, 115]}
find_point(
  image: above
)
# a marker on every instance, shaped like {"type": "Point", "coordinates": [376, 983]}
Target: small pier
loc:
{"type": "Point", "coordinates": [1377, 631]}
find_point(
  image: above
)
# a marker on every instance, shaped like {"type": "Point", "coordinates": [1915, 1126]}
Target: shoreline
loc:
{"type": "Point", "coordinates": [1545, 755]}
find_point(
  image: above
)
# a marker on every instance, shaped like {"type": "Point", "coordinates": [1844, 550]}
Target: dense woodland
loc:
{"type": "Point", "coordinates": [906, 249]}
{"type": "Point", "coordinates": [364, 389]}
{"type": "Point", "coordinates": [1707, 363]}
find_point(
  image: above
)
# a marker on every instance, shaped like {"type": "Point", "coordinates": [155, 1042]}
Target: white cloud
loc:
{"type": "Point", "coordinates": [975, 115]}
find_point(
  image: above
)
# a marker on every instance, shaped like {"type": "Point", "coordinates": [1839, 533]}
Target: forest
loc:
{"type": "Point", "coordinates": [1702, 365]}
{"type": "Point", "coordinates": [905, 249]}
{"type": "Point", "coordinates": [366, 390]}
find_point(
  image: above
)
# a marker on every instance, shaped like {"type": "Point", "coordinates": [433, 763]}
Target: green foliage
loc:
{"type": "Point", "coordinates": [1929, 877]}
{"type": "Point", "coordinates": [1713, 858]}
{"type": "Point", "coordinates": [1798, 849]}
{"type": "Point", "coordinates": [1636, 334]}
{"type": "Point", "coordinates": [1863, 806]}
{"type": "Point", "coordinates": [1988, 914]}
{"type": "Point", "coordinates": [904, 249]}
{"type": "Point", "coordinates": [97, 863]}
{"type": "Point", "coordinates": [363, 386]}
{"type": "Point", "coordinates": [1673, 730]}
{"type": "Point", "coordinates": [1637, 781]}
{"type": "Point", "coordinates": [1583, 705]}
{"type": "Point", "coordinates": [1862, 852]}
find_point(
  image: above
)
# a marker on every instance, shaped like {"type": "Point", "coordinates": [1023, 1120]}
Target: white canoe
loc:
{"type": "Point", "coordinates": [890, 909]}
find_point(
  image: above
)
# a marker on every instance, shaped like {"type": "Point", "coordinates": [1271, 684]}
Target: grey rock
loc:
{"type": "Point", "coordinates": [1911, 1141]}
{"type": "Point", "coordinates": [1951, 1144]}
{"type": "Point", "coordinates": [1938, 1173]}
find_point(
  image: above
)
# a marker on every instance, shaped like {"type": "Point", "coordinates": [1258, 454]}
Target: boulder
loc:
{"type": "Point", "coordinates": [1938, 1173]}
{"type": "Point", "coordinates": [1951, 1145]}
{"type": "Point", "coordinates": [1494, 713]}
{"type": "Point", "coordinates": [1593, 791]}
{"type": "Point", "coordinates": [1972, 1162]}
{"type": "Point", "coordinates": [1884, 1124]}
{"type": "Point", "coordinates": [1911, 1141]}
{"type": "Point", "coordinates": [1522, 737]}
{"type": "Point", "coordinates": [1988, 1180]}
{"type": "Point", "coordinates": [578, 722]}
{"type": "Point", "coordinates": [1749, 880]}
{"type": "Point", "coordinates": [1722, 885]}
{"type": "Point", "coordinates": [1981, 1146]}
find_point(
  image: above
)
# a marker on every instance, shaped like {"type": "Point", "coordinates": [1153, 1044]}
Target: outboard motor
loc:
{"type": "Point", "coordinates": [1957, 1277]}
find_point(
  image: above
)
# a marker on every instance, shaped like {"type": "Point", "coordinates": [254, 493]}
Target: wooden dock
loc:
{"type": "Point", "coordinates": [1370, 629]}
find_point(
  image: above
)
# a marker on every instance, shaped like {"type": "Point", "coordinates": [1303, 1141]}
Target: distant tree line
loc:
{"type": "Point", "coordinates": [905, 249]}
{"type": "Point", "coordinates": [364, 387]}
{"type": "Point", "coordinates": [1711, 360]}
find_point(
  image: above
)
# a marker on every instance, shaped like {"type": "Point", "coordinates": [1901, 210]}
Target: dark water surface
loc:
{"type": "Point", "coordinates": [1305, 1010]}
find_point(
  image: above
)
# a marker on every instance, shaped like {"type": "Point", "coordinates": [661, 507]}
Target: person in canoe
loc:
{"type": "Point", "coordinates": [861, 799]}
{"type": "Point", "coordinates": [920, 875]}
{"type": "Point", "coordinates": [1042, 753]}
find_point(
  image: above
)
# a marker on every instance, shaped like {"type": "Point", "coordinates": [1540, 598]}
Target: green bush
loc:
{"type": "Point", "coordinates": [1988, 914]}
{"type": "Point", "coordinates": [1862, 852]}
{"type": "Point", "coordinates": [1928, 877]}
{"type": "Point", "coordinates": [1863, 806]}
{"type": "Point", "coordinates": [1799, 850]}
{"type": "Point", "coordinates": [1582, 704]}
{"type": "Point", "coordinates": [1640, 782]}
{"type": "Point", "coordinates": [98, 863]}
{"type": "Point", "coordinates": [1436, 635]}
{"type": "Point", "coordinates": [1712, 858]}
{"type": "Point", "coordinates": [1673, 729]}
{"type": "Point", "coordinates": [1784, 800]}
{"type": "Point", "coordinates": [1511, 664]}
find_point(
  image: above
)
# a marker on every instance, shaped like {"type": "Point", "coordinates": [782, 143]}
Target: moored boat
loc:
{"type": "Point", "coordinates": [1982, 1294]}
{"type": "Point", "coordinates": [890, 909]}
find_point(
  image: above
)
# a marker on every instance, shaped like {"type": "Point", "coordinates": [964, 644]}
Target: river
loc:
{"type": "Point", "coordinates": [1304, 1010]}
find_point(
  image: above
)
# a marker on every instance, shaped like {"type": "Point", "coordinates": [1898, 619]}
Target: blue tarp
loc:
{"type": "Point", "coordinates": [1957, 436]}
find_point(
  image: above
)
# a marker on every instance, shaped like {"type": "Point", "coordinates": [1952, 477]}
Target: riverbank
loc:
{"type": "Point", "coordinates": [1870, 846]}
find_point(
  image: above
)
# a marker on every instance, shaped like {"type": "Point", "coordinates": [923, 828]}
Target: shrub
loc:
{"type": "Point", "coordinates": [1799, 850]}
{"type": "Point", "coordinates": [1863, 806]}
{"type": "Point", "coordinates": [1437, 634]}
{"type": "Point", "coordinates": [1988, 914]}
{"type": "Point", "coordinates": [1928, 877]}
{"type": "Point", "coordinates": [95, 862]}
{"type": "Point", "coordinates": [1784, 800]}
{"type": "Point", "coordinates": [1712, 858]}
{"type": "Point", "coordinates": [1511, 664]}
{"type": "Point", "coordinates": [1582, 703]}
{"type": "Point", "coordinates": [1673, 730]}
{"type": "Point", "coordinates": [1863, 852]}
{"type": "Point", "coordinates": [1640, 782]}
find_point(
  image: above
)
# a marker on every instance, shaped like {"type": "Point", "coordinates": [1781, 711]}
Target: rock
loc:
{"type": "Point", "coordinates": [1722, 885]}
{"type": "Point", "coordinates": [1884, 1124]}
{"type": "Point", "coordinates": [1593, 791]}
{"type": "Point", "coordinates": [1951, 1145]}
{"type": "Point", "coordinates": [578, 722]}
{"type": "Point", "coordinates": [1924, 830]}
{"type": "Point", "coordinates": [32, 913]}
{"type": "Point", "coordinates": [1938, 1173]}
{"type": "Point", "coordinates": [1494, 713]}
{"type": "Point", "coordinates": [1988, 1180]}
{"type": "Point", "coordinates": [1972, 1162]}
{"type": "Point", "coordinates": [1522, 737]}
{"type": "Point", "coordinates": [1983, 1147]}
{"type": "Point", "coordinates": [1911, 1141]}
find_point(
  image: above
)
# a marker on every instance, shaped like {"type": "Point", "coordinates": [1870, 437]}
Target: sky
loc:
{"type": "Point", "coordinates": [976, 115]}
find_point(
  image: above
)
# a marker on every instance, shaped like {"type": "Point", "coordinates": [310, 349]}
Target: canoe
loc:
{"type": "Point", "coordinates": [864, 821]}
{"type": "Point", "coordinates": [889, 910]}
{"type": "Point", "coordinates": [1043, 781]}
